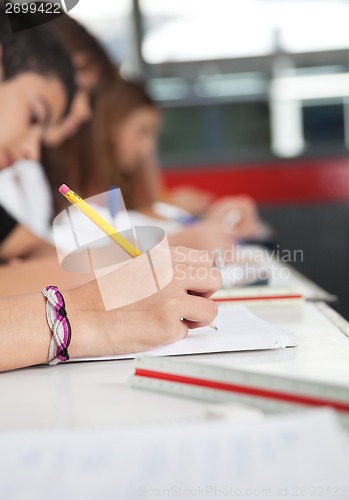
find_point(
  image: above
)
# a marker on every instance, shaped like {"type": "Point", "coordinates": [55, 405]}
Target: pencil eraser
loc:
{"type": "Point", "coordinates": [63, 189]}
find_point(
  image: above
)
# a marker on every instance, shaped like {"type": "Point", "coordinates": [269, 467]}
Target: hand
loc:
{"type": "Point", "coordinates": [161, 318]}
{"type": "Point", "coordinates": [157, 320]}
{"type": "Point", "coordinates": [240, 212]}
{"type": "Point", "coordinates": [206, 235]}
{"type": "Point", "coordinates": [191, 199]}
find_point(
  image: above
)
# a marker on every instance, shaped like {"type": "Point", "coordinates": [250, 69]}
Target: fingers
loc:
{"type": "Point", "coordinates": [192, 325]}
{"type": "Point", "coordinates": [244, 205]}
{"type": "Point", "coordinates": [198, 311]}
{"type": "Point", "coordinates": [225, 241]}
{"type": "Point", "coordinates": [194, 271]}
{"type": "Point", "coordinates": [204, 280]}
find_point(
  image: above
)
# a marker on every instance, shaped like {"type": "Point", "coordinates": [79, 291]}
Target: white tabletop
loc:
{"type": "Point", "coordinates": [96, 394]}
{"type": "Point", "coordinates": [252, 260]}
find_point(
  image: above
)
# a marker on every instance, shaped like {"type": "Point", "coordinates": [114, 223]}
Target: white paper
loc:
{"type": "Point", "coordinates": [238, 330]}
{"type": "Point", "coordinates": [301, 455]}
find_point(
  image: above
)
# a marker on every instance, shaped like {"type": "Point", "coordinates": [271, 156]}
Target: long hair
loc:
{"type": "Point", "coordinates": [73, 160]}
{"type": "Point", "coordinates": [112, 108]}
{"type": "Point", "coordinates": [78, 40]}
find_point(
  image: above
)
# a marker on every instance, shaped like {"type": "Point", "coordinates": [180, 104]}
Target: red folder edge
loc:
{"type": "Point", "coordinates": [248, 391]}
{"type": "Point", "coordinates": [267, 297]}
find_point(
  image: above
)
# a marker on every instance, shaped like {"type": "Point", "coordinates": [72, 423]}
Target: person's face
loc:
{"type": "Point", "coordinates": [29, 103]}
{"type": "Point", "coordinates": [80, 112]}
{"type": "Point", "coordinates": [136, 138]}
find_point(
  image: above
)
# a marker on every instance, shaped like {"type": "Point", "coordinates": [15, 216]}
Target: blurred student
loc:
{"type": "Point", "coordinates": [126, 125]}
{"type": "Point", "coordinates": [118, 148]}
{"type": "Point", "coordinates": [36, 87]}
{"type": "Point", "coordinates": [32, 217]}
{"type": "Point", "coordinates": [35, 94]}
{"type": "Point", "coordinates": [121, 151]}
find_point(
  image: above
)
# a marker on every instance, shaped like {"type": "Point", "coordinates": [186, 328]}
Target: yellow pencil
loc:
{"type": "Point", "coordinates": [102, 224]}
{"type": "Point", "coordinates": [99, 221]}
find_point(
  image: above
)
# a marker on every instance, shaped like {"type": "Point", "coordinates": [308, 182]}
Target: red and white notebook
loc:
{"type": "Point", "coordinates": [219, 380]}
{"type": "Point", "coordinates": [259, 294]}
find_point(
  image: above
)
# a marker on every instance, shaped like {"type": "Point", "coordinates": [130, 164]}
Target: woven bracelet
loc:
{"type": "Point", "coordinates": [59, 324]}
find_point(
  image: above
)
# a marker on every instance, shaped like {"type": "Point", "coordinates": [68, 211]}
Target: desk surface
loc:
{"type": "Point", "coordinates": [96, 394]}
{"type": "Point", "coordinates": [281, 273]}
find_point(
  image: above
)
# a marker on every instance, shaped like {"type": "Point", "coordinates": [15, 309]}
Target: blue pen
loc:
{"type": "Point", "coordinates": [113, 201]}
{"type": "Point", "coordinates": [187, 220]}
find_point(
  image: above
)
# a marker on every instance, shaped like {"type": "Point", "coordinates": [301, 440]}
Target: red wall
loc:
{"type": "Point", "coordinates": [293, 182]}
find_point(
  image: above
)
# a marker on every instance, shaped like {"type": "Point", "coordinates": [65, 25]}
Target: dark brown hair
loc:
{"type": "Point", "coordinates": [78, 40]}
{"type": "Point", "coordinates": [112, 108]}
{"type": "Point", "coordinates": [88, 161]}
{"type": "Point", "coordinates": [38, 50]}
{"type": "Point", "coordinates": [74, 158]}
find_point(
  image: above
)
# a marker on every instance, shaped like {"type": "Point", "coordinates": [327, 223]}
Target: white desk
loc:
{"type": "Point", "coordinates": [252, 259]}
{"type": "Point", "coordinates": [112, 465]}
{"type": "Point", "coordinates": [95, 394]}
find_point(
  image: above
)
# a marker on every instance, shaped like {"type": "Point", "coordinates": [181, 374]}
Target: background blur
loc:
{"type": "Point", "coordinates": [255, 96]}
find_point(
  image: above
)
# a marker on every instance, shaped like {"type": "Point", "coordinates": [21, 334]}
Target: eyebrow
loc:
{"type": "Point", "coordinates": [48, 112]}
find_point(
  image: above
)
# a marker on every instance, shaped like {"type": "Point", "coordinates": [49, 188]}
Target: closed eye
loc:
{"type": "Point", "coordinates": [40, 113]}
{"type": "Point", "coordinates": [34, 118]}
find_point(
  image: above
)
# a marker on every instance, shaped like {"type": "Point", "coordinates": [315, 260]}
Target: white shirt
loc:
{"type": "Point", "coordinates": [25, 194]}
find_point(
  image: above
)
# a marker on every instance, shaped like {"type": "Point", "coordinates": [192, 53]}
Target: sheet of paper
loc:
{"type": "Point", "coordinates": [238, 330]}
{"type": "Point", "coordinates": [300, 455]}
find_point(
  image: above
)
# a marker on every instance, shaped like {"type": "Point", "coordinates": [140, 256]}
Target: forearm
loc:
{"type": "Point", "coordinates": [32, 275]}
{"type": "Point", "coordinates": [20, 242]}
{"type": "Point", "coordinates": [25, 335]}
{"type": "Point", "coordinates": [185, 238]}
{"type": "Point", "coordinates": [154, 321]}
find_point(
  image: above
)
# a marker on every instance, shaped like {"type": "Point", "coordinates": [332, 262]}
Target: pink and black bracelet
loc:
{"type": "Point", "coordinates": [58, 322]}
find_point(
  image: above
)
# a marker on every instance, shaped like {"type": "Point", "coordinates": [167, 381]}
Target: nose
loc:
{"type": "Point", "coordinates": [149, 146]}
{"type": "Point", "coordinates": [31, 146]}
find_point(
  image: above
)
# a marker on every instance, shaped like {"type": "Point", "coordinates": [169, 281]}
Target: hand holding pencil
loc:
{"type": "Point", "coordinates": [109, 230]}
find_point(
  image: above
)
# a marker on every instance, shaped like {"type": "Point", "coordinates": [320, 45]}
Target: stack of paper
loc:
{"type": "Point", "coordinates": [238, 330]}
{"type": "Point", "coordinates": [294, 456]}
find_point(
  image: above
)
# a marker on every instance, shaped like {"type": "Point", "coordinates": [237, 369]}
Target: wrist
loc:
{"type": "Point", "coordinates": [81, 338]}
{"type": "Point", "coordinates": [90, 335]}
